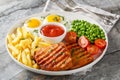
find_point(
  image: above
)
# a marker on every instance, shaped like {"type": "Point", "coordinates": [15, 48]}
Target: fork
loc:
{"type": "Point", "coordinates": [106, 21]}
{"type": "Point", "coordinates": [106, 18]}
{"type": "Point", "coordinates": [71, 3]}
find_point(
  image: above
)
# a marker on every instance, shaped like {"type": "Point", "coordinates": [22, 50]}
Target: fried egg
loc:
{"type": "Point", "coordinates": [32, 24]}
{"type": "Point", "coordinates": [53, 18]}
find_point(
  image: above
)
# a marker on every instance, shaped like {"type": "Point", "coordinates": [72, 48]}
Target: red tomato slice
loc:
{"type": "Point", "coordinates": [93, 50]}
{"type": "Point", "coordinates": [83, 42]}
{"type": "Point", "coordinates": [71, 37]}
{"type": "Point", "coordinates": [101, 43]}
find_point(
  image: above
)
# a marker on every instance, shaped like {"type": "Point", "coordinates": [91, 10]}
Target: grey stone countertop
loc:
{"type": "Point", "coordinates": [12, 10]}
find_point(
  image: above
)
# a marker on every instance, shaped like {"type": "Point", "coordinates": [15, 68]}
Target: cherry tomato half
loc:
{"type": "Point", "coordinates": [101, 43]}
{"type": "Point", "coordinates": [83, 42]}
{"type": "Point", "coordinates": [93, 50]}
{"type": "Point", "coordinates": [71, 37]}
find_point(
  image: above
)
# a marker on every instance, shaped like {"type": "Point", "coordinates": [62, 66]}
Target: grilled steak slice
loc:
{"type": "Point", "coordinates": [80, 56]}
{"type": "Point", "coordinates": [54, 58]}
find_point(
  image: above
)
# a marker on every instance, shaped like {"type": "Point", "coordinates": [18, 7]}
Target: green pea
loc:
{"type": "Point", "coordinates": [95, 38]}
{"type": "Point", "coordinates": [103, 38]}
{"type": "Point", "coordinates": [98, 36]}
{"type": "Point", "coordinates": [94, 34]}
{"type": "Point", "coordinates": [87, 32]}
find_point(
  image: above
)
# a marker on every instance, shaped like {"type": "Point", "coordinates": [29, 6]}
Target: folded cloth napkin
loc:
{"type": "Point", "coordinates": [50, 6]}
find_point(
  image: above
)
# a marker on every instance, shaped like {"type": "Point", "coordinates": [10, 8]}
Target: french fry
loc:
{"type": "Point", "coordinates": [35, 66]}
{"type": "Point", "coordinates": [16, 40]}
{"type": "Point", "coordinates": [24, 32]}
{"type": "Point", "coordinates": [43, 44]}
{"type": "Point", "coordinates": [29, 35]}
{"type": "Point", "coordinates": [32, 52]}
{"type": "Point", "coordinates": [25, 43]}
{"type": "Point", "coordinates": [19, 57]}
{"type": "Point", "coordinates": [19, 31]}
{"type": "Point", "coordinates": [33, 62]}
{"type": "Point", "coordinates": [24, 58]}
{"type": "Point", "coordinates": [18, 47]}
{"type": "Point", "coordinates": [14, 54]}
{"type": "Point", "coordinates": [36, 49]}
{"type": "Point", "coordinates": [27, 51]}
{"type": "Point", "coordinates": [19, 36]}
{"type": "Point", "coordinates": [12, 48]}
{"type": "Point", "coordinates": [30, 43]}
{"type": "Point", "coordinates": [13, 36]}
{"type": "Point", "coordinates": [35, 42]}
{"type": "Point", "coordinates": [9, 38]}
{"type": "Point", "coordinates": [29, 60]}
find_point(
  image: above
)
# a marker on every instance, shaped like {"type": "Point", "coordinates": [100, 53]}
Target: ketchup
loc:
{"type": "Point", "coordinates": [52, 30]}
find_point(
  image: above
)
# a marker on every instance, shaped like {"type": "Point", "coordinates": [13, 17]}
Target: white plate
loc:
{"type": "Point", "coordinates": [70, 16]}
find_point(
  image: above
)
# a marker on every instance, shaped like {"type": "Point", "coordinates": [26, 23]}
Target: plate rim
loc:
{"type": "Point", "coordinates": [67, 72]}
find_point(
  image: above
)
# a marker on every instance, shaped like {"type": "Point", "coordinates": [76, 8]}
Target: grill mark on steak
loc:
{"type": "Point", "coordinates": [45, 53]}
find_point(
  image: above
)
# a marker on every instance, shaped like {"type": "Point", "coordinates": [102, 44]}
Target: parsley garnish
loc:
{"type": "Point", "coordinates": [36, 31]}
{"type": "Point", "coordinates": [55, 19]}
{"type": "Point", "coordinates": [66, 23]}
{"type": "Point", "coordinates": [42, 17]}
{"type": "Point", "coordinates": [61, 17]}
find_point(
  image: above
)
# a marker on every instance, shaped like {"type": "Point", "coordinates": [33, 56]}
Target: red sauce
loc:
{"type": "Point", "coordinates": [52, 30]}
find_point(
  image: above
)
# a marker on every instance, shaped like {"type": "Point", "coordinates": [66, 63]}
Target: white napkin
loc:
{"type": "Point", "coordinates": [50, 6]}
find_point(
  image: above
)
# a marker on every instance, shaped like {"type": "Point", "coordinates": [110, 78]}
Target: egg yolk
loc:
{"type": "Point", "coordinates": [53, 18]}
{"type": "Point", "coordinates": [33, 23]}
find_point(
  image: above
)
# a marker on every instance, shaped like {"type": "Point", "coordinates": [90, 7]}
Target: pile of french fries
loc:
{"type": "Point", "coordinates": [22, 45]}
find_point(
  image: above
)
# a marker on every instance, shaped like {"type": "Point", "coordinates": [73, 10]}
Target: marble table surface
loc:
{"type": "Point", "coordinates": [12, 10]}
